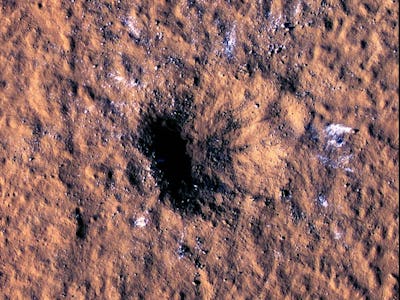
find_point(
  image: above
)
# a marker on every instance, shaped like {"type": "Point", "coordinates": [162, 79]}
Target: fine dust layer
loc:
{"type": "Point", "coordinates": [199, 149]}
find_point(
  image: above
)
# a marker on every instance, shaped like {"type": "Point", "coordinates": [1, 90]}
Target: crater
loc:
{"type": "Point", "coordinates": [81, 229]}
{"type": "Point", "coordinates": [165, 144]}
{"type": "Point", "coordinates": [188, 171]}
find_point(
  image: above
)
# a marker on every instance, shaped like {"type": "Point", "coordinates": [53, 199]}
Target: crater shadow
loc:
{"type": "Point", "coordinates": [163, 142]}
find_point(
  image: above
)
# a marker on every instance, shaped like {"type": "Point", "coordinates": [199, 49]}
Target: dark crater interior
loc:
{"type": "Point", "coordinates": [163, 142]}
{"type": "Point", "coordinates": [188, 170]}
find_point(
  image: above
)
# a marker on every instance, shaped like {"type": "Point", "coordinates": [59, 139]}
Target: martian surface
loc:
{"type": "Point", "coordinates": [199, 149]}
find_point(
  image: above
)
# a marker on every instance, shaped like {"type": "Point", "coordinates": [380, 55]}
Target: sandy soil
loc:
{"type": "Point", "coordinates": [199, 149]}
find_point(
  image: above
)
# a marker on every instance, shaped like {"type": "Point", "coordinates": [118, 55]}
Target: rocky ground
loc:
{"type": "Point", "coordinates": [199, 149]}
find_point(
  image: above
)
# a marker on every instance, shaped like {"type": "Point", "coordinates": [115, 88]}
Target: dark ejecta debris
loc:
{"type": "Point", "coordinates": [163, 142]}
{"type": "Point", "coordinates": [81, 230]}
{"type": "Point", "coordinates": [177, 160]}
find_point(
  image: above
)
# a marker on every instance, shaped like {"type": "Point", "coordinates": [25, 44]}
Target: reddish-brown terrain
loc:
{"type": "Point", "coordinates": [199, 149]}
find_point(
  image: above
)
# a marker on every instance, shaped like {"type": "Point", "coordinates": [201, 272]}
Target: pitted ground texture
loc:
{"type": "Point", "coordinates": [199, 149]}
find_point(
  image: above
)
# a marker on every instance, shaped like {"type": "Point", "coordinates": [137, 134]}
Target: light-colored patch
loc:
{"type": "Point", "coordinates": [337, 129]}
{"type": "Point", "coordinates": [322, 200]}
{"type": "Point", "coordinates": [132, 26]}
{"type": "Point", "coordinates": [336, 153]}
{"type": "Point", "coordinates": [230, 42]}
{"type": "Point", "coordinates": [131, 83]}
{"type": "Point", "coordinates": [337, 235]}
{"type": "Point", "coordinates": [141, 222]}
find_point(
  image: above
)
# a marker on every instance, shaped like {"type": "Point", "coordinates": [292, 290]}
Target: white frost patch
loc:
{"type": "Point", "coordinates": [337, 161]}
{"type": "Point", "coordinates": [344, 160]}
{"type": "Point", "coordinates": [336, 153]}
{"type": "Point", "coordinates": [118, 78]}
{"type": "Point", "coordinates": [275, 23]}
{"type": "Point", "coordinates": [277, 254]}
{"type": "Point", "coordinates": [230, 42]}
{"type": "Point", "coordinates": [132, 26]}
{"type": "Point", "coordinates": [323, 159]}
{"type": "Point", "coordinates": [141, 222]}
{"type": "Point", "coordinates": [337, 129]}
{"type": "Point", "coordinates": [337, 235]}
{"type": "Point", "coordinates": [298, 9]}
{"type": "Point", "coordinates": [335, 133]}
{"type": "Point", "coordinates": [123, 81]}
{"type": "Point", "coordinates": [322, 200]}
